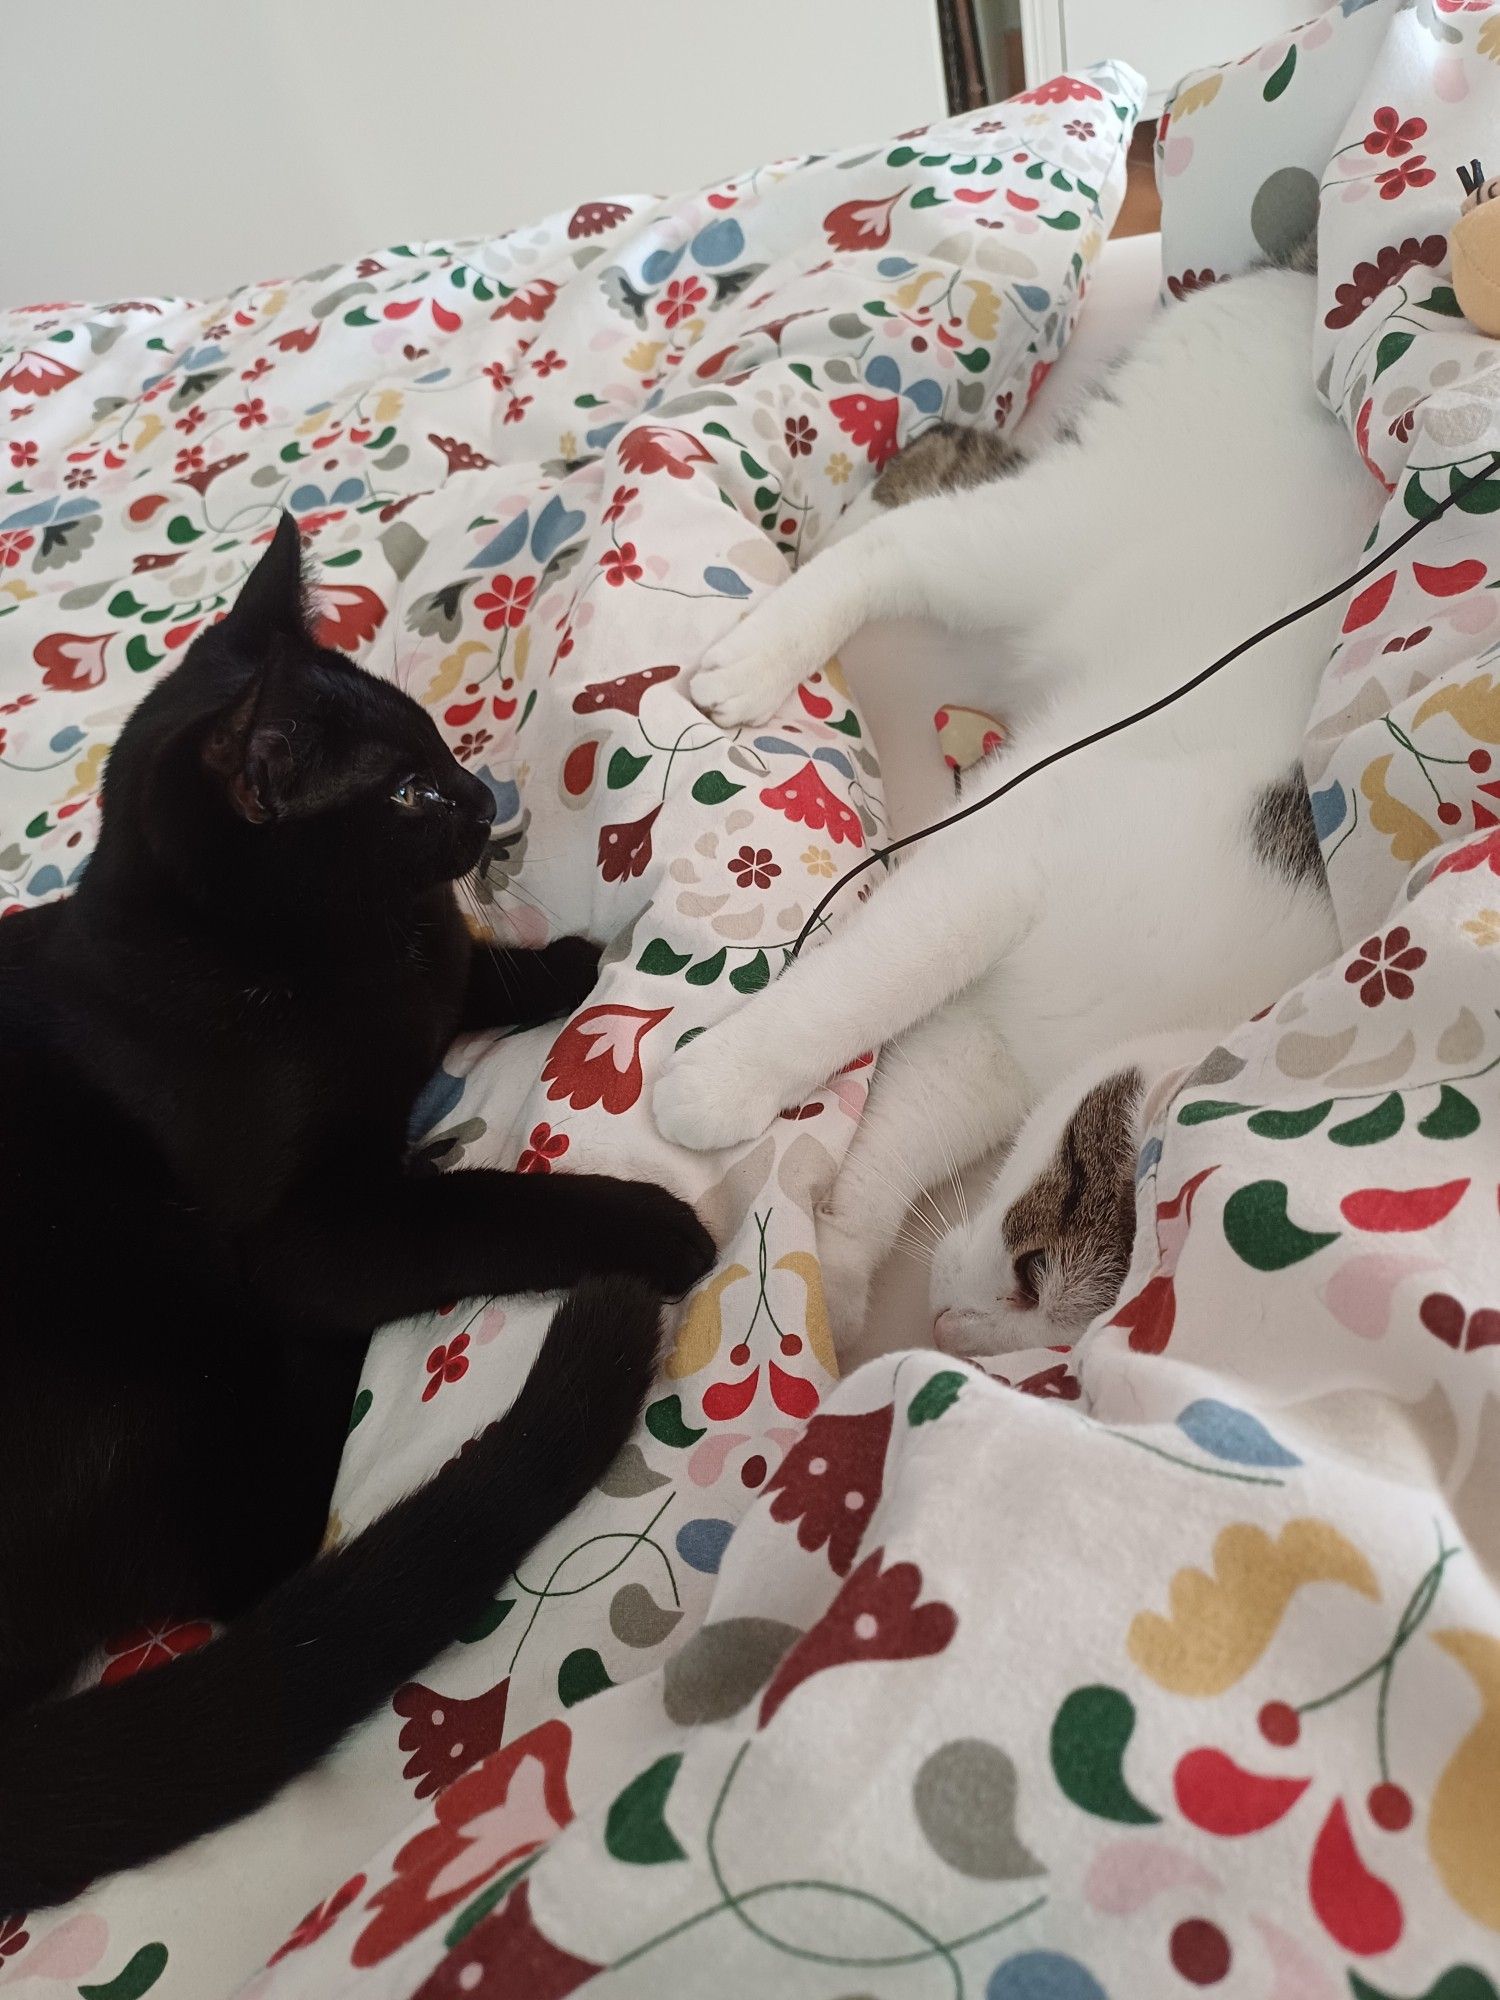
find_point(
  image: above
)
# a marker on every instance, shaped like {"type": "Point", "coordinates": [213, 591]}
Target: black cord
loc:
{"type": "Point", "coordinates": [879, 854]}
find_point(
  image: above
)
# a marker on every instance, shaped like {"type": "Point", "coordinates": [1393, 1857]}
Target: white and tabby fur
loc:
{"type": "Point", "coordinates": [1129, 891]}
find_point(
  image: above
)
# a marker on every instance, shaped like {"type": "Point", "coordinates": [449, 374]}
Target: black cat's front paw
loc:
{"type": "Point", "coordinates": [572, 964]}
{"type": "Point", "coordinates": [643, 1229]}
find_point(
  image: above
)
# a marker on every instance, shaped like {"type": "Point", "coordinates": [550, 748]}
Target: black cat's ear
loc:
{"type": "Point", "coordinates": [272, 602]}
{"type": "Point", "coordinates": [263, 748]}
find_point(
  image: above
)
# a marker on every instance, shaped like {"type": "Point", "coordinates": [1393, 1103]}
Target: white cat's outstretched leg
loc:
{"type": "Point", "coordinates": [981, 560]}
{"type": "Point", "coordinates": [927, 932]}
{"type": "Point", "coordinates": [942, 1096]}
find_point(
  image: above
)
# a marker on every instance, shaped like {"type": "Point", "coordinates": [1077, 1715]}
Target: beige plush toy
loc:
{"type": "Point", "coordinates": [1475, 245]}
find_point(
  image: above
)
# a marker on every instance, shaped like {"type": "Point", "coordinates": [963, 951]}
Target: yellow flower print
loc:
{"type": "Point", "coordinates": [1485, 928]}
{"type": "Point", "coordinates": [818, 861]}
{"type": "Point", "coordinates": [838, 468]}
{"type": "Point", "coordinates": [567, 444]}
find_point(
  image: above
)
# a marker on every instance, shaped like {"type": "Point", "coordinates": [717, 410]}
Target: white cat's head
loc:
{"type": "Point", "coordinates": [1049, 1248]}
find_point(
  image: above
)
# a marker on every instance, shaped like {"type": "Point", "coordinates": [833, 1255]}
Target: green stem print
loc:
{"type": "Point", "coordinates": [739, 1904]}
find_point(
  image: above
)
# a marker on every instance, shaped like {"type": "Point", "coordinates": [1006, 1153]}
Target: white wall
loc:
{"type": "Point", "coordinates": [183, 145]}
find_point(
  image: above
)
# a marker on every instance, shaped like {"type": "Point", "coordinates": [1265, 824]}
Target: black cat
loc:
{"type": "Point", "coordinates": [208, 1057]}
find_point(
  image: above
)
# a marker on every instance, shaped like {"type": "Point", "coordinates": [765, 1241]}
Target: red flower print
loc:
{"type": "Point", "coordinates": [1151, 1314]}
{"type": "Point", "coordinates": [1447, 1320]}
{"type": "Point", "coordinates": [471, 744]}
{"type": "Point", "coordinates": [753, 868]}
{"type": "Point", "coordinates": [36, 374]}
{"type": "Point", "coordinates": [1004, 403]}
{"type": "Point", "coordinates": [625, 848]}
{"type": "Point", "coordinates": [489, 1819]}
{"type": "Point", "coordinates": [1192, 281]}
{"type": "Point", "coordinates": [500, 375]}
{"type": "Point", "coordinates": [507, 601]}
{"type": "Point", "coordinates": [1478, 854]}
{"type": "Point", "coordinates": [619, 501]}
{"type": "Point", "coordinates": [190, 420]}
{"type": "Point", "coordinates": [516, 408]}
{"type": "Point", "coordinates": [681, 300]}
{"type": "Point", "coordinates": [461, 457]}
{"type": "Point", "coordinates": [445, 1736]}
{"type": "Point", "coordinates": [348, 614]}
{"type": "Point", "coordinates": [218, 331]}
{"type": "Point", "coordinates": [861, 224]}
{"type": "Point", "coordinates": [251, 412]}
{"type": "Point", "coordinates": [1402, 428]}
{"type": "Point", "coordinates": [830, 1480]}
{"type": "Point", "coordinates": [875, 1616]}
{"type": "Point", "coordinates": [1040, 370]}
{"type": "Point", "coordinates": [532, 302]}
{"type": "Point", "coordinates": [23, 453]}
{"type": "Point", "coordinates": [1382, 968]}
{"type": "Point", "coordinates": [623, 694]}
{"type": "Point", "coordinates": [806, 798]}
{"type": "Point", "coordinates": [1079, 128]}
{"type": "Point", "coordinates": [1412, 173]}
{"type": "Point", "coordinates": [799, 435]}
{"type": "Point", "coordinates": [320, 1919]}
{"type": "Point", "coordinates": [260, 366]}
{"type": "Point", "coordinates": [1392, 134]}
{"type": "Point", "coordinates": [1059, 90]}
{"type": "Point", "coordinates": [620, 566]}
{"type": "Point", "coordinates": [78, 478]}
{"type": "Point", "coordinates": [190, 460]}
{"type": "Point", "coordinates": [14, 542]}
{"type": "Point", "coordinates": [14, 1936]}
{"type": "Point", "coordinates": [505, 1954]}
{"type": "Point", "coordinates": [870, 421]}
{"type": "Point", "coordinates": [71, 661]}
{"type": "Point", "coordinates": [550, 363]}
{"type": "Point", "coordinates": [654, 448]}
{"type": "Point", "coordinates": [298, 341]}
{"type": "Point", "coordinates": [152, 1646]}
{"type": "Point", "coordinates": [597, 1057]}
{"type": "Point", "coordinates": [448, 1362]}
{"type": "Point", "coordinates": [542, 1148]}
{"type": "Point", "coordinates": [593, 218]}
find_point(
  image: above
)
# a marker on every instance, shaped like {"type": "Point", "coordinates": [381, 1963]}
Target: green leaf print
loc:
{"type": "Point", "coordinates": [937, 1394]}
{"type": "Point", "coordinates": [660, 958]}
{"type": "Point", "coordinates": [581, 1674]}
{"type": "Point", "coordinates": [714, 789]}
{"type": "Point", "coordinates": [635, 1828]}
{"type": "Point", "coordinates": [1453, 1117]}
{"type": "Point", "coordinates": [1280, 77]}
{"type": "Point", "coordinates": [1290, 1124]}
{"type": "Point", "coordinates": [1090, 1735]}
{"type": "Point", "coordinates": [138, 1977]}
{"type": "Point", "coordinates": [1383, 1122]}
{"type": "Point", "coordinates": [624, 768]}
{"type": "Point", "coordinates": [1261, 1234]}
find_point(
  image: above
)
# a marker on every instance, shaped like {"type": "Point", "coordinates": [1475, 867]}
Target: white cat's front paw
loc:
{"type": "Point", "coordinates": [739, 683]}
{"type": "Point", "coordinates": [849, 1260]}
{"type": "Point", "coordinates": [706, 1104]}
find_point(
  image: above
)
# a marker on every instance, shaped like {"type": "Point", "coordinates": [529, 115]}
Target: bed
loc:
{"type": "Point", "coordinates": [1169, 1664]}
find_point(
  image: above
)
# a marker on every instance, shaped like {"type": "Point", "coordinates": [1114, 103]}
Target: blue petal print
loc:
{"type": "Point", "coordinates": [45, 881]}
{"type": "Point", "coordinates": [505, 546]}
{"type": "Point", "coordinates": [777, 746]}
{"type": "Point", "coordinates": [925, 396]}
{"type": "Point", "coordinates": [64, 740]}
{"type": "Point", "coordinates": [438, 1096]}
{"type": "Point", "coordinates": [701, 1544]}
{"type": "Point", "coordinates": [596, 440]}
{"type": "Point", "coordinates": [1150, 1153]}
{"type": "Point", "coordinates": [1225, 1432]}
{"type": "Point", "coordinates": [728, 581]}
{"type": "Point", "coordinates": [1330, 808]}
{"type": "Point", "coordinates": [555, 525]}
{"type": "Point", "coordinates": [895, 267]}
{"type": "Point", "coordinates": [883, 373]}
{"type": "Point", "coordinates": [1043, 1975]}
{"type": "Point", "coordinates": [826, 754]}
{"type": "Point", "coordinates": [720, 243]}
{"type": "Point", "coordinates": [659, 266]}
{"type": "Point", "coordinates": [506, 794]}
{"type": "Point", "coordinates": [1035, 296]}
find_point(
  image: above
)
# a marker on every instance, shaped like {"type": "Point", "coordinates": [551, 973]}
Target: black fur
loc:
{"type": "Point", "coordinates": [208, 1059]}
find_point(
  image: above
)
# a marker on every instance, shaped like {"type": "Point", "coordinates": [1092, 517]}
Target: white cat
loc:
{"type": "Point", "coordinates": [1165, 880]}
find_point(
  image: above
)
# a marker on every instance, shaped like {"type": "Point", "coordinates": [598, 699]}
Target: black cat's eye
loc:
{"type": "Point", "coordinates": [1030, 1267]}
{"type": "Point", "coordinates": [412, 793]}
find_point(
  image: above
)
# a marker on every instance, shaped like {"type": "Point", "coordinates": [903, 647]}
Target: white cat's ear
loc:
{"type": "Point", "coordinates": [272, 603]}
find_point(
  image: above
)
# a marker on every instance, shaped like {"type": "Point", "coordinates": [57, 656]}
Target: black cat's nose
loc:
{"type": "Point", "coordinates": [485, 807]}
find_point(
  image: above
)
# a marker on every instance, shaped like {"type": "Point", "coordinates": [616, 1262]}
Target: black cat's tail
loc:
{"type": "Point", "coordinates": [115, 1776]}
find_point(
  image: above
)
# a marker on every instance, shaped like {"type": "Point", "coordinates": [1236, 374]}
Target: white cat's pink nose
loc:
{"type": "Point", "coordinates": [952, 1328]}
